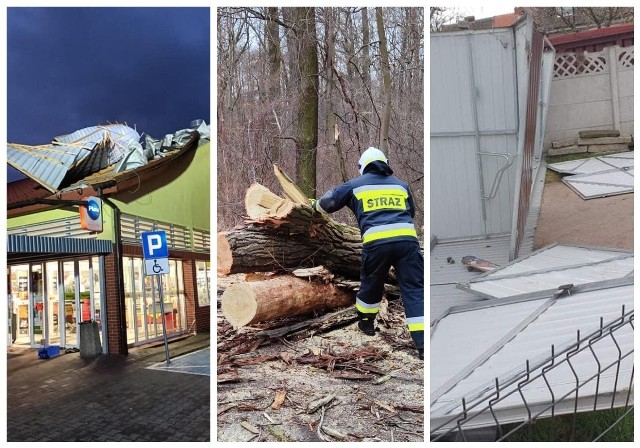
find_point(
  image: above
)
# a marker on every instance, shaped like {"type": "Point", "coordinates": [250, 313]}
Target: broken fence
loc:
{"type": "Point", "coordinates": [600, 344]}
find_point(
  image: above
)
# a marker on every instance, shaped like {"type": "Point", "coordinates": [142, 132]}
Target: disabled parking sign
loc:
{"type": "Point", "coordinates": [156, 262]}
{"type": "Point", "coordinates": [156, 252]}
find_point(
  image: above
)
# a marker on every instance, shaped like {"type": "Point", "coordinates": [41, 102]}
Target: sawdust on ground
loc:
{"type": "Point", "coordinates": [362, 410]}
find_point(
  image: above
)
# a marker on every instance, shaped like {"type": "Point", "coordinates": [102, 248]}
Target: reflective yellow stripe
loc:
{"type": "Point", "coordinates": [389, 234]}
{"type": "Point", "coordinates": [382, 200]}
{"type": "Point", "coordinates": [366, 310]}
{"type": "Point", "coordinates": [416, 327]}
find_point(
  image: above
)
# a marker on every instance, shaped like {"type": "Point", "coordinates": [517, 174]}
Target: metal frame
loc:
{"type": "Point", "coordinates": [623, 189]}
{"type": "Point", "coordinates": [484, 402]}
{"type": "Point", "coordinates": [537, 295]}
{"type": "Point", "coordinates": [558, 169]}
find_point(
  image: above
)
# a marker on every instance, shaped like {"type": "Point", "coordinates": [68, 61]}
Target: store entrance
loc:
{"type": "Point", "coordinates": [48, 300]}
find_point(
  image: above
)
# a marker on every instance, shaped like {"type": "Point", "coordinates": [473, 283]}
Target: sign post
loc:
{"type": "Point", "coordinates": [156, 262]}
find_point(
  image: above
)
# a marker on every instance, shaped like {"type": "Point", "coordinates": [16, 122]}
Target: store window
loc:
{"type": "Point", "coordinates": [143, 307]}
{"type": "Point", "coordinates": [47, 300]}
{"type": "Point", "coordinates": [203, 280]}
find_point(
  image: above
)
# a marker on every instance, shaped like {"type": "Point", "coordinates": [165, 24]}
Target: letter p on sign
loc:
{"type": "Point", "coordinates": [154, 244]}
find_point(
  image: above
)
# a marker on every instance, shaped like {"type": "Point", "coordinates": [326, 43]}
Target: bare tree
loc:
{"type": "Point", "coordinates": [307, 127]}
{"type": "Point", "coordinates": [254, 116]}
{"type": "Point", "coordinates": [440, 16]}
{"type": "Point", "coordinates": [386, 74]}
{"type": "Point", "coordinates": [564, 19]}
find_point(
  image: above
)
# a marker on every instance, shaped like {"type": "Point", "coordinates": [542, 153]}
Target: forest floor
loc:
{"type": "Point", "coordinates": [268, 387]}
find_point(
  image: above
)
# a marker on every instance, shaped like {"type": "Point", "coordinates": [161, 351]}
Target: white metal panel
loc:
{"type": "Point", "coordinates": [593, 164]}
{"type": "Point", "coordinates": [602, 183]}
{"type": "Point", "coordinates": [528, 283]}
{"type": "Point", "coordinates": [466, 69]}
{"type": "Point", "coordinates": [555, 257]}
{"type": "Point", "coordinates": [451, 89]}
{"type": "Point", "coordinates": [455, 196]}
{"type": "Point", "coordinates": [558, 325]}
{"type": "Point", "coordinates": [444, 275]}
{"type": "Point", "coordinates": [489, 326]}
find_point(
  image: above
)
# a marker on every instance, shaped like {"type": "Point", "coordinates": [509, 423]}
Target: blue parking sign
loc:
{"type": "Point", "coordinates": [154, 244]}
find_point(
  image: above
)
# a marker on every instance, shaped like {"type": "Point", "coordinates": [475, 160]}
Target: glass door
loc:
{"type": "Point", "coordinates": [52, 304]}
{"type": "Point", "coordinates": [19, 290]}
{"type": "Point", "coordinates": [71, 295]}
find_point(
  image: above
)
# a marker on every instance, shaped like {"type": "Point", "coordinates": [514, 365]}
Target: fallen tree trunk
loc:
{"type": "Point", "coordinates": [283, 296]}
{"type": "Point", "coordinates": [280, 234]}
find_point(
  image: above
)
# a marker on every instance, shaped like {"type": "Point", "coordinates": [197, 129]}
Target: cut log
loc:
{"type": "Point", "coordinates": [280, 234]}
{"type": "Point", "coordinates": [283, 296]}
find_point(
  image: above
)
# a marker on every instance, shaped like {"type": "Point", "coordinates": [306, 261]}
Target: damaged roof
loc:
{"type": "Point", "coordinates": [542, 272]}
{"type": "Point", "coordinates": [597, 177]}
{"type": "Point", "coordinates": [97, 154]}
{"type": "Point", "coordinates": [502, 335]}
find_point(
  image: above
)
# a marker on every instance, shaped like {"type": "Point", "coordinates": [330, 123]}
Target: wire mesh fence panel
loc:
{"type": "Point", "coordinates": [582, 391]}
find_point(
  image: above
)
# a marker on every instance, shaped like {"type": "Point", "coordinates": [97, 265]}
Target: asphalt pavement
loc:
{"type": "Point", "coordinates": [110, 398]}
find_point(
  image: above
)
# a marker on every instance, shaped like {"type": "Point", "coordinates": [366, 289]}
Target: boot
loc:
{"type": "Point", "coordinates": [365, 324]}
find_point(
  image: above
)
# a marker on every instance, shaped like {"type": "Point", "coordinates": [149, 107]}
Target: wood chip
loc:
{"type": "Point", "coordinates": [286, 357]}
{"type": "Point", "coordinates": [225, 408]}
{"type": "Point", "coordinates": [351, 376]}
{"type": "Point", "coordinates": [277, 402]}
{"type": "Point", "coordinates": [385, 406]}
{"type": "Point", "coordinates": [315, 405]}
{"type": "Point", "coordinates": [333, 433]}
{"type": "Point", "coordinates": [383, 379]}
{"type": "Point", "coordinates": [249, 427]}
{"type": "Point", "coordinates": [228, 377]}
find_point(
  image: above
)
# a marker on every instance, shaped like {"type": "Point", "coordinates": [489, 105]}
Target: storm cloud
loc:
{"type": "Point", "coordinates": [69, 68]}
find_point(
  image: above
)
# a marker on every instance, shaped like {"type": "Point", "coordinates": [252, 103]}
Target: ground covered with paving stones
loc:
{"type": "Point", "coordinates": [111, 398]}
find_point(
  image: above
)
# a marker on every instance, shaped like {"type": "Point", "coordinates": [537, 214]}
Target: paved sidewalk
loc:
{"type": "Point", "coordinates": [111, 398]}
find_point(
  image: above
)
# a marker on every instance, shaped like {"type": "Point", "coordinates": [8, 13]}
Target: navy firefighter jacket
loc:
{"type": "Point", "coordinates": [382, 204]}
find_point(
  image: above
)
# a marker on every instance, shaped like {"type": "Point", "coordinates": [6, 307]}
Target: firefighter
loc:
{"type": "Point", "coordinates": [384, 208]}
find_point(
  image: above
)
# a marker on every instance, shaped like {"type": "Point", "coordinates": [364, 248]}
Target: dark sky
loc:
{"type": "Point", "coordinates": [70, 68]}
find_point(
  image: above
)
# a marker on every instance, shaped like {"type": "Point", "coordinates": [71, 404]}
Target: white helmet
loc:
{"type": "Point", "coordinates": [371, 154]}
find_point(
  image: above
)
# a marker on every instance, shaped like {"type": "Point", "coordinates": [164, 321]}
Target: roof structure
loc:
{"type": "Point", "coordinates": [506, 343]}
{"type": "Point", "coordinates": [598, 177]}
{"type": "Point", "coordinates": [592, 165]}
{"type": "Point", "coordinates": [554, 334]}
{"type": "Point", "coordinates": [74, 155]}
{"type": "Point", "coordinates": [94, 156]}
{"type": "Point", "coordinates": [100, 152]}
{"type": "Point", "coordinates": [544, 272]}
{"type": "Point", "coordinates": [594, 39]}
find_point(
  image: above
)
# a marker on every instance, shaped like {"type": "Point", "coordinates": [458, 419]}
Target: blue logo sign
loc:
{"type": "Point", "coordinates": [93, 209]}
{"type": "Point", "coordinates": [154, 244]}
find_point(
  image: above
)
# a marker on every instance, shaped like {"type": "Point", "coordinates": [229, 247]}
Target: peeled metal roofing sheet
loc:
{"type": "Point", "coordinates": [602, 183]}
{"type": "Point", "coordinates": [593, 164]}
{"type": "Point", "coordinates": [551, 267]}
{"type": "Point", "coordinates": [485, 355]}
{"type": "Point", "coordinates": [47, 165]}
{"type": "Point", "coordinates": [543, 281]}
{"type": "Point", "coordinates": [556, 256]}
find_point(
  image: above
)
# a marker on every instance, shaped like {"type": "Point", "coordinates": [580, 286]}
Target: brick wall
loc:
{"type": "Point", "coordinates": [194, 311]}
{"type": "Point", "coordinates": [113, 317]}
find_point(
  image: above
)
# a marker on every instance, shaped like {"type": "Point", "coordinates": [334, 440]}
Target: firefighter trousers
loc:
{"type": "Point", "coordinates": [408, 261]}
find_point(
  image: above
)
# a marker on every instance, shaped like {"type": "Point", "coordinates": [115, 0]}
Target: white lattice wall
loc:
{"type": "Point", "coordinates": [591, 91]}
